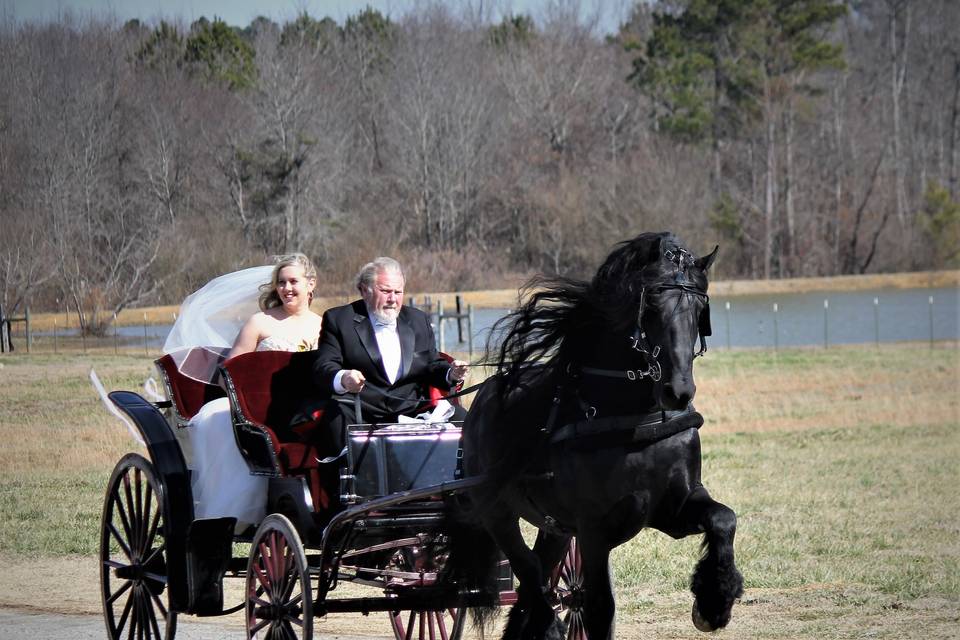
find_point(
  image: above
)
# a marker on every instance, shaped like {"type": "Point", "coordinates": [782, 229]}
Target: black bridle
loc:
{"type": "Point", "coordinates": [640, 343]}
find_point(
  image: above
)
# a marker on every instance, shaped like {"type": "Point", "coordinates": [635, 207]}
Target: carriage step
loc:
{"type": "Point", "coordinates": [209, 551]}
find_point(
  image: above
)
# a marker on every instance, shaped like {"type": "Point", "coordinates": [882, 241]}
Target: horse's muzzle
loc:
{"type": "Point", "coordinates": [677, 394]}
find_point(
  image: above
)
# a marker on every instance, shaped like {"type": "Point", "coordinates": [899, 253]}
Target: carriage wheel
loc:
{"type": "Point", "coordinates": [133, 554]}
{"type": "Point", "coordinates": [567, 587]}
{"type": "Point", "coordinates": [279, 599]}
{"type": "Point", "coordinates": [443, 624]}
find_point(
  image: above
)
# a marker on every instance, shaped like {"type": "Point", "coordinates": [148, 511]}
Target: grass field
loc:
{"type": "Point", "coordinates": [841, 464]}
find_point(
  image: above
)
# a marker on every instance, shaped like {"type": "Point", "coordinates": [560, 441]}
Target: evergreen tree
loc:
{"type": "Point", "coordinates": [219, 53]}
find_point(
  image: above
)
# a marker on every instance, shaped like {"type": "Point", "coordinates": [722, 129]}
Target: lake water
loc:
{"type": "Point", "coordinates": [888, 315]}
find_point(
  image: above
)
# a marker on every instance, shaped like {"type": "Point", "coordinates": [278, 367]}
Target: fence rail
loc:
{"type": "Point", "coordinates": [774, 322]}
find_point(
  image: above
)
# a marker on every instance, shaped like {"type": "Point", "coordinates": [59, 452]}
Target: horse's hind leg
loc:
{"type": "Point", "coordinates": [532, 617]}
{"type": "Point", "coordinates": [716, 581]}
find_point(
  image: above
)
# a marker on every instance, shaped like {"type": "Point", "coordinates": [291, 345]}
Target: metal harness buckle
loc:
{"type": "Point", "coordinates": [631, 374]}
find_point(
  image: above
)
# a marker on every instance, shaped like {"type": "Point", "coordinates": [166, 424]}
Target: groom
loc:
{"type": "Point", "coordinates": [382, 350]}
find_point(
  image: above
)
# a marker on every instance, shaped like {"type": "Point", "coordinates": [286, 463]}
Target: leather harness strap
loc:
{"type": "Point", "coordinates": [632, 431]}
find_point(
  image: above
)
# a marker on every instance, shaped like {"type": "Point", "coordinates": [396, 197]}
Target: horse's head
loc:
{"type": "Point", "coordinates": [662, 288]}
{"type": "Point", "coordinates": [674, 314]}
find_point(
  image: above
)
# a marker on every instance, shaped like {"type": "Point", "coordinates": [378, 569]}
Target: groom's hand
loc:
{"type": "Point", "coordinates": [353, 381]}
{"type": "Point", "coordinates": [458, 371]}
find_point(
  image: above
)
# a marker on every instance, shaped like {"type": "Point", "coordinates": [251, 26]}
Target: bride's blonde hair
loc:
{"type": "Point", "coordinates": [269, 297]}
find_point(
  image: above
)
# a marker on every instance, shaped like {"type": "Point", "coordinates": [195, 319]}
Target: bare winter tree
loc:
{"type": "Point", "coordinates": [443, 126]}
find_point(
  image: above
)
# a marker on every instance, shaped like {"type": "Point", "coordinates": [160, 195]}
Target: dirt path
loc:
{"type": "Point", "coordinates": [59, 599]}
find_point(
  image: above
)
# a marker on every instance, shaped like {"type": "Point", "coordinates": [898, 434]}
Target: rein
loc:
{"type": "Point", "coordinates": [420, 400]}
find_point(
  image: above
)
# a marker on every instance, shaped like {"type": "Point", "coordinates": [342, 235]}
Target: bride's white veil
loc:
{"type": "Point", "coordinates": [212, 316]}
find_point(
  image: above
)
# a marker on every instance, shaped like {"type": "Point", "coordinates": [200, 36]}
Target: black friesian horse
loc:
{"type": "Point", "coordinates": [597, 440]}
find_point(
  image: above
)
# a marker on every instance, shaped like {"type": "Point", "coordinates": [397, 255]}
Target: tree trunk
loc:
{"type": "Point", "coordinates": [789, 248]}
{"type": "Point", "coordinates": [770, 179]}
{"type": "Point", "coordinates": [898, 68]}
{"type": "Point", "coordinates": [952, 134]}
{"type": "Point", "coordinates": [837, 177]}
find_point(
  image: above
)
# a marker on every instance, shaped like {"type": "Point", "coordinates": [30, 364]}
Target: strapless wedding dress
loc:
{"type": "Point", "coordinates": [221, 480]}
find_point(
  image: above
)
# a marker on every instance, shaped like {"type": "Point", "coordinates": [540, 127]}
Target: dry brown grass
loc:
{"type": "Point", "coordinates": [840, 387]}
{"type": "Point", "coordinates": [50, 418]}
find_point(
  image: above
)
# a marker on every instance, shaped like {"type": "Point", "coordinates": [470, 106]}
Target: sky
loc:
{"type": "Point", "coordinates": [241, 12]}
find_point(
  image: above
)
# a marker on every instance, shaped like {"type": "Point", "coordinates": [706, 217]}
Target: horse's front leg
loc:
{"type": "Point", "coordinates": [599, 606]}
{"type": "Point", "coordinates": [532, 617]}
{"type": "Point", "coordinates": [550, 549]}
{"type": "Point", "coordinates": [716, 583]}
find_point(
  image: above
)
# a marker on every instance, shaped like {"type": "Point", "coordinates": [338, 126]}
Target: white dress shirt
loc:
{"type": "Point", "coordinates": [388, 341]}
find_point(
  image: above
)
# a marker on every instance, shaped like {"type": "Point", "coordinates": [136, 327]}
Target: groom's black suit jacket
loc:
{"type": "Point", "coordinates": [347, 341]}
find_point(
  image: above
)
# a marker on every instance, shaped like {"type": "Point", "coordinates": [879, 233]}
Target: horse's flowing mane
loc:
{"type": "Point", "coordinates": [558, 308]}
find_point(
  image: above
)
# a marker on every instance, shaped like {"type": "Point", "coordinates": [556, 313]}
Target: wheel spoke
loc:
{"type": "Point", "coordinates": [123, 545]}
{"type": "Point", "coordinates": [294, 601]}
{"type": "Point", "coordinates": [124, 520]}
{"type": "Point", "coordinates": [290, 583]}
{"type": "Point", "coordinates": [442, 626]}
{"type": "Point", "coordinates": [119, 592]}
{"type": "Point", "coordinates": [268, 568]}
{"type": "Point", "coordinates": [153, 554]}
{"type": "Point", "coordinates": [159, 603]}
{"type": "Point", "coordinates": [143, 622]}
{"type": "Point", "coordinates": [262, 576]}
{"type": "Point", "coordinates": [413, 619]}
{"type": "Point", "coordinates": [153, 617]}
{"type": "Point", "coordinates": [146, 516]}
{"type": "Point", "coordinates": [254, 629]}
{"type": "Point", "coordinates": [138, 512]}
{"type": "Point", "coordinates": [261, 602]}
{"type": "Point", "coordinates": [126, 611]}
{"type": "Point", "coordinates": [134, 613]}
{"type": "Point", "coordinates": [278, 558]}
{"type": "Point", "coordinates": [131, 511]}
{"type": "Point", "coordinates": [154, 527]}
{"type": "Point", "coordinates": [284, 564]}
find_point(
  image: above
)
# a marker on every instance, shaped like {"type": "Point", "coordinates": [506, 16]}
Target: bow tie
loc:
{"type": "Point", "coordinates": [387, 325]}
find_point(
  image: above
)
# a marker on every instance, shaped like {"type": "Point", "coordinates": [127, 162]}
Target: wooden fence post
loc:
{"type": "Point", "coordinates": [470, 330]}
{"type": "Point", "coordinates": [440, 322]}
{"type": "Point", "coordinates": [459, 320]}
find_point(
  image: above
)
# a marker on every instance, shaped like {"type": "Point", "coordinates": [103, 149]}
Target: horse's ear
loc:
{"type": "Point", "coordinates": [704, 263]}
{"type": "Point", "coordinates": [655, 249]}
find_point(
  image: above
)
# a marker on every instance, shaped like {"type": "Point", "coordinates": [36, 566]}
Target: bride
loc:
{"type": "Point", "coordinates": [221, 480]}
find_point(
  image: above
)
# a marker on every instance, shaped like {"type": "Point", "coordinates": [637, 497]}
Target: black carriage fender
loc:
{"type": "Point", "coordinates": [174, 478]}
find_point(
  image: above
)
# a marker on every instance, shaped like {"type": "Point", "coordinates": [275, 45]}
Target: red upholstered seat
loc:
{"type": "Point", "coordinates": [436, 394]}
{"type": "Point", "coordinates": [266, 389]}
{"type": "Point", "coordinates": [187, 394]}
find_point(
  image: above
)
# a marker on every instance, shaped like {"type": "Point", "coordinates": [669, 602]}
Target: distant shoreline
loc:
{"type": "Point", "coordinates": [507, 298]}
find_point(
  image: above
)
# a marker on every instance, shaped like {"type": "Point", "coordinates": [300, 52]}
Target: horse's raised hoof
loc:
{"type": "Point", "coordinates": [516, 623]}
{"type": "Point", "coordinates": [557, 630]}
{"type": "Point", "coordinates": [698, 621]}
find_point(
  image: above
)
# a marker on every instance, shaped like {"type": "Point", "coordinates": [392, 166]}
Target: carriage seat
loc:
{"type": "Point", "coordinates": [434, 394]}
{"type": "Point", "coordinates": [187, 393]}
{"type": "Point", "coordinates": [267, 390]}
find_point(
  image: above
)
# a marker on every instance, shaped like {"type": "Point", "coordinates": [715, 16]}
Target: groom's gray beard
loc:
{"type": "Point", "coordinates": [384, 318]}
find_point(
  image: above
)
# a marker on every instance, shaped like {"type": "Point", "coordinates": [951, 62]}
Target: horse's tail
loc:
{"type": "Point", "coordinates": [474, 564]}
